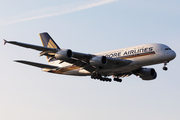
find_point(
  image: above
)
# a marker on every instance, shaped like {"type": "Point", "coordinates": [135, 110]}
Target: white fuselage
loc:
{"type": "Point", "coordinates": [142, 55]}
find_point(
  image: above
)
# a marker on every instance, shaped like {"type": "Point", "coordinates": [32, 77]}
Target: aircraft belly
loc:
{"type": "Point", "coordinates": [73, 71]}
{"type": "Point", "coordinates": [76, 73]}
{"type": "Point", "coordinates": [144, 60]}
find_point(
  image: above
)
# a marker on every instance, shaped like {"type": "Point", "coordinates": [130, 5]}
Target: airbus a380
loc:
{"type": "Point", "coordinates": [117, 63]}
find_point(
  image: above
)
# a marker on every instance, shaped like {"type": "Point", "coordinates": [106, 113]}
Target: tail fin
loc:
{"type": "Point", "coordinates": [47, 41]}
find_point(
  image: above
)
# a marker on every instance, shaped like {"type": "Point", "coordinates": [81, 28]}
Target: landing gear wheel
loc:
{"type": "Point", "coordinates": [165, 68]}
{"type": "Point", "coordinates": [117, 80]}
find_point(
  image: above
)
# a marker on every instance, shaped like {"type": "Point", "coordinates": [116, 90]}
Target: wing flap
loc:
{"type": "Point", "coordinates": [40, 65]}
{"type": "Point", "coordinates": [81, 63]}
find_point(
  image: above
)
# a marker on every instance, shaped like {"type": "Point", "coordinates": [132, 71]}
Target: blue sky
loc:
{"type": "Point", "coordinates": [87, 26]}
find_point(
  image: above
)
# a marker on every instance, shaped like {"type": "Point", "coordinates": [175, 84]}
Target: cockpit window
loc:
{"type": "Point", "coordinates": [167, 48]}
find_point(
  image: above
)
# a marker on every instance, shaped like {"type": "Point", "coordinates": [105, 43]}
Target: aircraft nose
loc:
{"type": "Point", "coordinates": [172, 54]}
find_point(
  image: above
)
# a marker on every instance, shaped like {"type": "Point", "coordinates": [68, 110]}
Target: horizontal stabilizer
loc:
{"type": "Point", "coordinates": [37, 64]}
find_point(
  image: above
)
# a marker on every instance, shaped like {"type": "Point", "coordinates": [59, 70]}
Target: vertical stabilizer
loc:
{"type": "Point", "coordinates": [47, 41]}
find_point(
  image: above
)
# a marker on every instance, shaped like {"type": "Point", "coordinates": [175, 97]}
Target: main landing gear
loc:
{"type": "Point", "coordinates": [96, 75]}
{"type": "Point", "coordinates": [165, 68]}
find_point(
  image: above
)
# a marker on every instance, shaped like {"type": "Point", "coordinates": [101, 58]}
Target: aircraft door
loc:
{"type": "Point", "coordinates": [160, 52]}
{"type": "Point", "coordinates": [157, 51]}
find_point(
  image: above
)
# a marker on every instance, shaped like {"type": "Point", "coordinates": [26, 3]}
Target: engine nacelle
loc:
{"type": "Point", "coordinates": [63, 54]}
{"type": "Point", "coordinates": [98, 61]}
{"type": "Point", "coordinates": [147, 74]}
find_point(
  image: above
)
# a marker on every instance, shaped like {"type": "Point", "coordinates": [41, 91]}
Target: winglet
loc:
{"type": "Point", "coordinates": [5, 41]}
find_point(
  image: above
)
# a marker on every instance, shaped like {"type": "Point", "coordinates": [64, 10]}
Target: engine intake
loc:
{"type": "Point", "coordinates": [147, 74]}
{"type": "Point", "coordinates": [63, 54]}
{"type": "Point", "coordinates": [98, 61]}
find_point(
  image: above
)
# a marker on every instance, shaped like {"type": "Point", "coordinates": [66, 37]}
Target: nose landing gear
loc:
{"type": "Point", "coordinates": [165, 68]}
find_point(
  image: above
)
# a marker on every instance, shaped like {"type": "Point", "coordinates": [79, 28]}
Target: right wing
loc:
{"type": "Point", "coordinates": [40, 65]}
{"type": "Point", "coordinates": [82, 60]}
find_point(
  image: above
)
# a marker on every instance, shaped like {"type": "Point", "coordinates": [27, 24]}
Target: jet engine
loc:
{"type": "Point", "coordinates": [63, 54]}
{"type": "Point", "coordinates": [147, 74]}
{"type": "Point", "coordinates": [98, 61]}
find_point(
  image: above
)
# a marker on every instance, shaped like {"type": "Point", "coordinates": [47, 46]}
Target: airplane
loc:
{"type": "Point", "coordinates": [117, 63]}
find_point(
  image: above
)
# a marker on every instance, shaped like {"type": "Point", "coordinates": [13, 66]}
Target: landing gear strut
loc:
{"type": "Point", "coordinates": [165, 68]}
